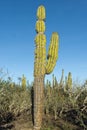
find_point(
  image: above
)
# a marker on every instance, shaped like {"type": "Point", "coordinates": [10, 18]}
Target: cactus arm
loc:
{"type": "Point", "coordinates": [52, 53]}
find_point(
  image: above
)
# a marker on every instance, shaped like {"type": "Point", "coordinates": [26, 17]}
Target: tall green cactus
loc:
{"type": "Point", "coordinates": [62, 79]}
{"type": "Point", "coordinates": [69, 80]}
{"type": "Point", "coordinates": [42, 65]}
{"type": "Point", "coordinates": [23, 82]}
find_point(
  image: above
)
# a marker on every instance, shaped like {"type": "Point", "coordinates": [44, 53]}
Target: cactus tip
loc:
{"type": "Point", "coordinates": [41, 12]}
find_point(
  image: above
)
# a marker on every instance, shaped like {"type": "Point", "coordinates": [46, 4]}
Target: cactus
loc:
{"type": "Point", "coordinates": [42, 65]}
{"type": "Point", "coordinates": [68, 84]}
{"type": "Point", "coordinates": [62, 79]}
{"type": "Point", "coordinates": [12, 85]}
{"type": "Point", "coordinates": [23, 82]}
{"type": "Point", "coordinates": [69, 80]}
{"type": "Point", "coordinates": [53, 81]}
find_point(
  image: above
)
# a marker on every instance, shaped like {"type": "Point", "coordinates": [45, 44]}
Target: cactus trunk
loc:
{"type": "Point", "coordinates": [38, 101]}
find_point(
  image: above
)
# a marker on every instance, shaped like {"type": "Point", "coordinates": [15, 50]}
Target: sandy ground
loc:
{"type": "Point", "coordinates": [24, 122]}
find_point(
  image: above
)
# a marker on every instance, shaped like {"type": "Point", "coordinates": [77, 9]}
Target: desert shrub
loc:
{"type": "Point", "coordinates": [77, 114]}
{"type": "Point", "coordinates": [13, 101]}
{"type": "Point", "coordinates": [70, 105]}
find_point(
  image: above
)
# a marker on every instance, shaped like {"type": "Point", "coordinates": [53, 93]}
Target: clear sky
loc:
{"type": "Point", "coordinates": [17, 33]}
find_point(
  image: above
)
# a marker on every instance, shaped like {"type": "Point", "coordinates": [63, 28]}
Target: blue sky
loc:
{"type": "Point", "coordinates": [17, 33]}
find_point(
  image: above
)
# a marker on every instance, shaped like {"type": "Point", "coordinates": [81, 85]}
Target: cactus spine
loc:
{"type": "Point", "coordinates": [41, 65]}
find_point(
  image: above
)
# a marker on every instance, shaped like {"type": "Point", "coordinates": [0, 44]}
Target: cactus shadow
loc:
{"type": "Point", "coordinates": [32, 100]}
